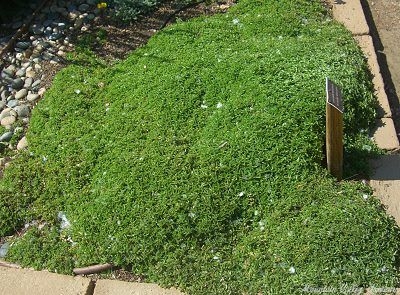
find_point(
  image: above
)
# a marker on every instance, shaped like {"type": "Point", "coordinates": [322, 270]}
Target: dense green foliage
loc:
{"type": "Point", "coordinates": [197, 161]}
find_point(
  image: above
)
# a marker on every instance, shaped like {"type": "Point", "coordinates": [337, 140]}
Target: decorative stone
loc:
{"type": "Point", "coordinates": [30, 73]}
{"type": "Point", "coordinates": [32, 97]}
{"type": "Point", "coordinates": [28, 82]}
{"type": "Point", "coordinates": [22, 144]}
{"type": "Point", "coordinates": [48, 30]}
{"type": "Point", "coordinates": [5, 113]}
{"type": "Point", "coordinates": [61, 26]}
{"type": "Point", "coordinates": [17, 84]}
{"type": "Point", "coordinates": [90, 16]}
{"type": "Point", "coordinates": [7, 80]}
{"type": "Point", "coordinates": [8, 72]}
{"type": "Point", "coordinates": [36, 83]}
{"type": "Point", "coordinates": [4, 94]}
{"type": "Point", "coordinates": [47, 55]}
{"type": "Point", "coordinates": [55, 36]}
{"type": "Point", "coordinates": [19, 56]}
{"type": "Point", "coordinates": [28, 53]}
{"type": "Point", "coordinates": [23, 44]}
{"type": "Point", "coordinates": [21, 94]}
{"type": "Point", "coordinates": [13, 113]}
{"type": "Point", "coordinates": [23, 111]}
{"type": "Point", "coordinates": [41, 91]}
{"type": "Point", "coordinates": [78, 23]}
{"type": "Point", "coordinates": [12, 103]}
{"type": "Point", "coordinates": [37, 29]}
{"type": "Point", "coordinates": [20, 72]}
{"type": "Point", "coordinates": [6, 137]}
{"type": "Point", "coordinates": [83, 7]}
{"type": "Point", "coordinates": [8, 121]}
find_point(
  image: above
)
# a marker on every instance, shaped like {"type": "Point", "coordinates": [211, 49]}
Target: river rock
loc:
{"type": "Point", "coordinates": [36, 83]}
{"type": "Point", "coordinates": [23, 111]}
{"type": "Point", "coordinates": [55, 36]}
{"type": "Point", "coordinates": [22, 144]}
{"type": "Point", "coordinates": [20, 72]}
{"type": "Point", "coordinates": [12, 103]}
{"type": "Point", "coordinates": [7, 121]}
{"type": "Point", "coordinates": [78, 23]}
{"type": "Point", "coordinates": [32, 97]}
{"type": "Point", "coordinates": [4, 94]}
{"type": "Point", "coordinates": [6, 137]}
{"type": "Point", "coordinates": [23, 45]}
{"type": "Point", "coordinates": [21, 94]}
{"type": "Point", "coordinates": [17, 83]}
{"type": "Point", "coordinates": [83, 7]}
{"type": "Point", "coordinates": [5, 113]}
{"type": "Point", "coordinates": [28, 82]}
{"type": "Point", "coordinates": [7, 72]}
{"type": "Point", "coordinates": [37, 29]}
{"type": "Point", "coordinates": [30, 73]}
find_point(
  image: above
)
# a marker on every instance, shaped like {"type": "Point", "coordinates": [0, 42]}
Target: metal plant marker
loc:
{"type": "Point", "coordinates": [334, 129]}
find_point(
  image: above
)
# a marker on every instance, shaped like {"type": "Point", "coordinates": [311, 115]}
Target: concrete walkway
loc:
{"type": "Point", "coordinates": [385, 182]}
{"type": "Point", "coordinates": [28, 282]}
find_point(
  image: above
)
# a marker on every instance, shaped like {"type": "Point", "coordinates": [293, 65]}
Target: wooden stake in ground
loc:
{"type": "Point", "coordinates": [334, 130]}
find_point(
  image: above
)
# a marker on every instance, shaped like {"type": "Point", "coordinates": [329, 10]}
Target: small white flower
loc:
{"type": "Point", "coordinates": [216, 258]}
{"type": "Point", "coordinates": [64, 221]}
{"type": "Point", "coordinates": [191, 215]}
{"type": "Point", "coordinates": [280, 37]}
{"type": "Point", "coordinates": [367, 148]}
{"type": "Point", "coordinates": [292, 270]}
{"type": "Point", "coordinates": [241, 194]}
{"type": "Point", "coordinates": [219, 105]}
{"type": "Point", "coordinates": [365, 196]}
{"type": "Point", "coordinates": [44, 158]}
{"type": "Point", "coordinates": [256, 213]}
{"type": "Point", "coordinates": [236, 21]}
{"type": "Point", "coordinates": [77, 91]}
{"type": "Point", "coordinates": [203, 106]}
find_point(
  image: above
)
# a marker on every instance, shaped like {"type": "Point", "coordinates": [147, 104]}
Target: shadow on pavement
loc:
{"type": "Point", "coordinates": [386, 167]}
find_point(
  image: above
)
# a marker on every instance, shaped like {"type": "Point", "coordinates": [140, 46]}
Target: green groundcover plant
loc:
{"type": "Point", "coordinates": [196, 162]}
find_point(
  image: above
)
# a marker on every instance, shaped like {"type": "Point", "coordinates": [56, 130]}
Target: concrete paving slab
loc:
{"type": "Point", "coordinates": [385, 134]}
{"type": "Point", "coordinates": [351, 14]}
{"type": "Point", "coordinates": [111, 287]}
{"type": "Point", "coordinates": [367, 45]}
{"type": "Point", "coordinates": [29, 282]}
